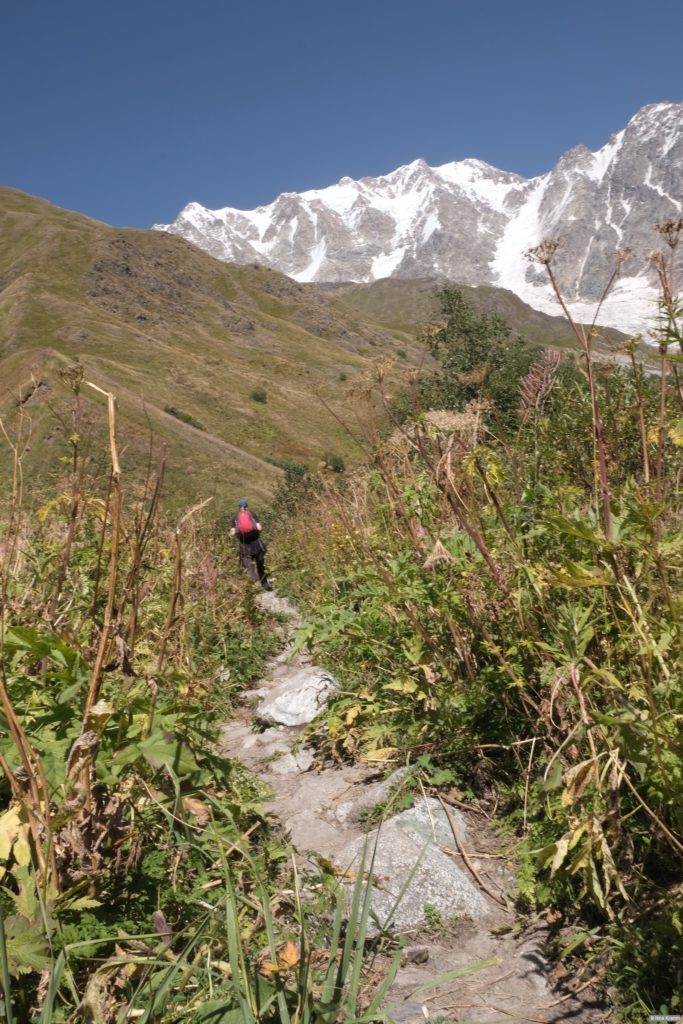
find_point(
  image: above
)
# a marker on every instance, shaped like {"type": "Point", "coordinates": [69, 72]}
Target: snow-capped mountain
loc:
{"type": "Point", "coordinates": [471, 223]}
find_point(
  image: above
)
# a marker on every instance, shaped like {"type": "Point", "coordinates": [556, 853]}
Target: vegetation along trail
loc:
{"type": "Point", "coordinates": [438, 877]}
{"type": "Point", "coordinates": [442, 779]}
{"type": "Point", "coordinates": [499, 591]}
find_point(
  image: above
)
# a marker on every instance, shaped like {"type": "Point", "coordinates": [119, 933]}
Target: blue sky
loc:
{"type": "Point", "coordinates": [128, 110]}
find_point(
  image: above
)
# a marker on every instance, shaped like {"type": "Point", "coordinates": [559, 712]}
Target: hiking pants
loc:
{"type": "Point", "coordinates": [254, 563]}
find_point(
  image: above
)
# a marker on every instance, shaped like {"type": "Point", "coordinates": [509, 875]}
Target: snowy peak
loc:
{"type": "Point", "coordinates": [469, 222]}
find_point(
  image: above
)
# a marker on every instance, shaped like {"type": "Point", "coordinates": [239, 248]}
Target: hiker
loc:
{"type": "Point", "coordinates": [246, 529]}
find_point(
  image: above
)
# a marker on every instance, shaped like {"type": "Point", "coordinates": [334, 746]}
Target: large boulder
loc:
{"type": "Point", "coordinates": [410, 870]}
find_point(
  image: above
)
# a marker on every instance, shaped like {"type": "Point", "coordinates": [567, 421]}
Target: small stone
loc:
{"type": "Point", "coordinates": [271, 602]}
{"type": "Point", "coordinates": [416, 954]}
{"type": "Point", "coordinates": [292, 763]}
{"type": "Point", "coordinates": [258, 694]}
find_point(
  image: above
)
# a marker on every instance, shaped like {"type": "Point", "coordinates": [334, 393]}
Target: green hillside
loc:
{"type": "Point", "coordinates": [394, 303]}
{"type": "Point", "coordinates": [164, 326]}
{"type": "Point", "coordinates": [224, 367]}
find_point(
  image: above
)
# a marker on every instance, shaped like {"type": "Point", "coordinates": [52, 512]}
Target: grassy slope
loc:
{"type": "Point", "coordinates": [160, 323]}
{"type": "Point", "coordinates": [395, 303]}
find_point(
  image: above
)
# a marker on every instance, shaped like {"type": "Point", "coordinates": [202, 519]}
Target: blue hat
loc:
{"type": "Point", "coordinates": [242, 503]}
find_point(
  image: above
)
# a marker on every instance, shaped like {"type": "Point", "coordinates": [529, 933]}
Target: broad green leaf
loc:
{"type": "Point", "coordinates": [219, 1011]}
{"type": "Point", "coordinates": [576, 576]}
{"type": "Point", "coordinates": [27, 949]}
{"type": "Point", "coordinates": [163, 750]}
{"type": "Point", "coordinates": [575, 529]}
{"type": "Point", "coordinates": [401, 685]}
{"type": "Point", "coordinates": [22, 846]}
{"type": "Point", "coordinates": [554, 779]}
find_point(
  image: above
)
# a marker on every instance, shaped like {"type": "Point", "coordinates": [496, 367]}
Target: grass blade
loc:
{"type": "Point", "coordinates": [4, 972]}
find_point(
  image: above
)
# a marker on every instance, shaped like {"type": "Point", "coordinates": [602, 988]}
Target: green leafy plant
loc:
{"type": "Point", "coordinates": [498, 591]}
{"type": "Point", "coordinates": [184, 417]}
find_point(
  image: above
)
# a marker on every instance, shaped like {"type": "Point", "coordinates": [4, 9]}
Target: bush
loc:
{"type": "Point", "coordinates": [259, 395]}
{"type": "Point", "coordinates": [480, 358]}
{"type": "Point", "coordinates": [184, 417]}
{"type": "Point", "coordinates": [293, 470]}
{"type": "Point", "coordinates": [334, 462]}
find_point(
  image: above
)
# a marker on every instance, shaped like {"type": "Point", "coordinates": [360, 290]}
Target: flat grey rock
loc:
{"type": "Point", "coordinates": [254, 749]}
{"type": "Point", "coordinates": [428, 818]}
{"type": "Point", "coordinates": [257, 694]}
{"type": "Point", "coordinates": [271, 602]}
{"type": "Point", "coordinates": [365, 798]}
{"type": "Point", "coordinates": [292, 763]}
{"type": "Point", "coordinates": [411, 869]}
{"type": "Point", "coordinates": [408, 1012]}
{"type": "Point", "coordinates": [298, 698]}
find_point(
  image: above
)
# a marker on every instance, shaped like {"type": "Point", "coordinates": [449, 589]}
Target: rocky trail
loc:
{"type": "Point", "coordinates": [455, 886]}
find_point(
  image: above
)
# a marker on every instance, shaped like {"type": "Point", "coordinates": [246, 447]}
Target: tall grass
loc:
{"type": "Point", "coordinates": [135, 862]}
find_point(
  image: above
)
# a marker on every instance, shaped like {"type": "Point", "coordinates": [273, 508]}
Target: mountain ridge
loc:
{"type": "Point", "coordinates": [468, 222]}
{"type": "Point", "coordinates": [186, 342]}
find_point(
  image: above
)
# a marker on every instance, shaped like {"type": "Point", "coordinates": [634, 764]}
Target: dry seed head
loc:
{"type": "Point", "coordinates": [380, 368]}
{"type": "Point", "coordinates": [538, 383]}
{"type": "Point", "coordinates": [621, 256]}
{"type": "Point", "coordinates": [446, 421]}
{"type": "Point", "coordinates": [670, 230]}
{"type": "Point", "coordinates": [73, 376]}
{"type": "Point", "coordinates": [439, 553]}
{"type": "Point", "coordinates": [656, 258]}
{"type": "Point", "coordinates": [631, 344]}
{"type": "Point", "coordinates": [544, 252]}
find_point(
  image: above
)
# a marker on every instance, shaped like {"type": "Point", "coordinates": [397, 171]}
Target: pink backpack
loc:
{"type": "Point", "coordinates": [245, 522]}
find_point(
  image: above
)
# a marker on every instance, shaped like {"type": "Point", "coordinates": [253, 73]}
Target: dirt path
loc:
{"type": "Point", "coordinates": [454, 912]}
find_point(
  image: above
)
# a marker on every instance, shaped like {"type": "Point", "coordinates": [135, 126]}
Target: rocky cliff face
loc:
{"type": "Point", "coordinates": [471, 223]}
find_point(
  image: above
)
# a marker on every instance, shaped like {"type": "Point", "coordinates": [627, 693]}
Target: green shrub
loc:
{"type": "Point", "coordinates": [293, 470]}
{"type": "Point", "coordinates": [184, 417]}
{"type": "Point", "coordinates": [334, 462]}
{"type": "Point", "coordinates": [259, 395]}
{"type": "Point", "coordinates": [480, 358]}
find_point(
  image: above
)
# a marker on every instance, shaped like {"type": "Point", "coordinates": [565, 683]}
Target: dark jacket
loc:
{"type": "Point", "coordinates": [251, 542]}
